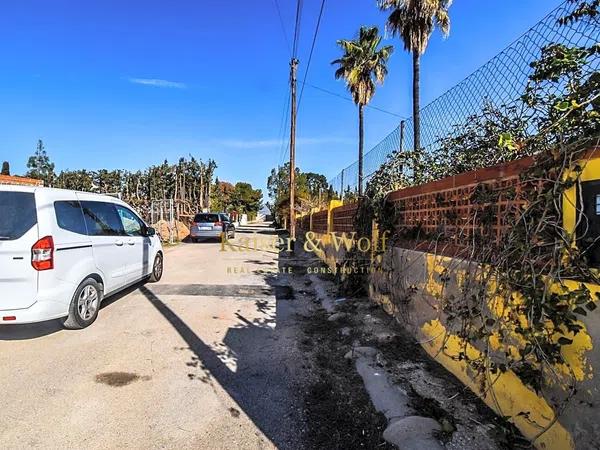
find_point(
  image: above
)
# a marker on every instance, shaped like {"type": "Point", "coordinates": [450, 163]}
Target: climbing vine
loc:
{"type": "Point", "coordinates": [515, 305]}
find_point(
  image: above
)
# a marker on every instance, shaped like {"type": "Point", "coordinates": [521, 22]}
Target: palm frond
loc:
{"type": "Point", "coordinates": [415, 20]}
{"type": "Point", "coordinates": [363, 64]}
{"type": "Point", "coordinates": [442, 19]}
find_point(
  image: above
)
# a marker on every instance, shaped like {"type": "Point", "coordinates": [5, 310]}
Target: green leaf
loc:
{"type": "Point", "coordinates": [505, 140]}
{"type": "Point", "coordinates": [562, 106]}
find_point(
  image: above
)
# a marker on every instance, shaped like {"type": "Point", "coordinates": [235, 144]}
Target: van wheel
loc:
{"type": "Point", "coordinates": [157, 269]}
{"type": "Point", "coordinates": [232, 235]}
{"type": "Point", "coordinates": [85, 305]}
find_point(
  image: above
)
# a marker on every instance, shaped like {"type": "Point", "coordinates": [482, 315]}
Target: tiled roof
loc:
{"type": "Point", "coordinates": [9, 179]}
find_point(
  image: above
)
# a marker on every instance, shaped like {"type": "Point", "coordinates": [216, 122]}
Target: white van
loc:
{"type": "Point", "coordinates": [62, 252]}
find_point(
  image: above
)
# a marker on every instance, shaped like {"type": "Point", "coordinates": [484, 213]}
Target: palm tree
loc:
{"type": "Point", "coordinates": [414, 21]}
{"type": "Point", "coordinates": [362, 66]}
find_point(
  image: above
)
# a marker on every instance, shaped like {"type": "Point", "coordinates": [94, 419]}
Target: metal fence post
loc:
{"type": "Point", "coordinates": [172, 220]}
{"type": "Point", "coordinates": [402, 135]}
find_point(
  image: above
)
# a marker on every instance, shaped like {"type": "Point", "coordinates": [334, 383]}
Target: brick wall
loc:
{"type": "Point", "coordinates": [343, 217]}
{"type": "Point", "coordinates": [462, 210]}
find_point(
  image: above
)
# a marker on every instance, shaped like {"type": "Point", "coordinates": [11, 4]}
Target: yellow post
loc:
{"type": "Point", "coordinates": [374, 240]}
{"type": "Point", "coordinates": [591, 171]}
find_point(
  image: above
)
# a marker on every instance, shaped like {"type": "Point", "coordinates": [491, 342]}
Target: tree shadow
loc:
{"type": "Point", "coordinates": [252, 363]}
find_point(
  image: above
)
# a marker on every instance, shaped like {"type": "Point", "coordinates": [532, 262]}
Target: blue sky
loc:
{"type": "Point", "coordinates": [126, 84]}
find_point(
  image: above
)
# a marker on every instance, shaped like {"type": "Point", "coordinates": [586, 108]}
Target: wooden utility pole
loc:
{"type": "Point", "coordinates": [293, 70]}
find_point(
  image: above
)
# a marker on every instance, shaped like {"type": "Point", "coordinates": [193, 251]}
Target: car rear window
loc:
{"type": "Point", "coordinates": [203, 218]}
{"type": "Point", "coordinates": [17, 214]}
{"type": "Point", "coordinates": [69, 216]}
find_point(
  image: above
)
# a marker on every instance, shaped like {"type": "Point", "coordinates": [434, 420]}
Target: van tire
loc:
{"type": "Point", "coordinates": [156, 274]}
{"type": "Point", "coordinates": [74, 320]}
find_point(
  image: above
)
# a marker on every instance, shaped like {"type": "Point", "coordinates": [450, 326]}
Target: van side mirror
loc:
{"type": "Point", "coordinates": [150, 232]}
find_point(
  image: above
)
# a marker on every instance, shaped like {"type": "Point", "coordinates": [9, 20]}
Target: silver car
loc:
{"type": "Point", "coordinates": [211, 226]}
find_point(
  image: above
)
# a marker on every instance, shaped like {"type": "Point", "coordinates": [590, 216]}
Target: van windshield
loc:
{"type": "Point", "coordinates": [17, 214]}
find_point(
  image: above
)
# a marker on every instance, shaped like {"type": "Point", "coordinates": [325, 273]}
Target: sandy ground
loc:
{"type": "Point", "coordinates": [204, 359]}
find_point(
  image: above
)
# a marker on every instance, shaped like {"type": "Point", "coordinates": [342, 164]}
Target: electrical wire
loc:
{"type": "Point", "coordinates": [282, 130]}
{"type": "Point", "coordinates": [312, 49]}
{"type": "Point", "coordinates": [297, 28]}
{"type": "Point", "coordinates": [350, 100]}
{"type": "Point", "coordinates": [283, 30]}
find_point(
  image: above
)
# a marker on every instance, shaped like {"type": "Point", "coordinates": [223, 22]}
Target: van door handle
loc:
{"type": "Point", "coordinates": [131, 242]}
{"type": "Point", "coordinates": [119, 243]}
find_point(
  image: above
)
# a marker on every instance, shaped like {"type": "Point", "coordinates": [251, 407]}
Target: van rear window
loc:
{"type": "Point", "coordinates": [205, 218]}
{"type": "Point", "coordinates": [69, 216]}
{"type": "Point", "coordinates": [17, 214]}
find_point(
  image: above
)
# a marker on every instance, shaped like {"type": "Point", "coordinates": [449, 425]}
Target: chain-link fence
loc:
{"type": "Point", "coordinates": [500, 82]}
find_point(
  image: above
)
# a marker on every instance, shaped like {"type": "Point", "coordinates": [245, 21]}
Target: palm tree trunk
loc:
{"type": "Point", "coordinates": [416, 101]}
{"type": "Point", "coordinates": [361, 138]}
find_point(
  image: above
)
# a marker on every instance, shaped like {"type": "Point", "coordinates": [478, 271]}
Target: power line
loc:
{"type": "Point", "coordinates": [350, 100]}
{"type": "Point", "coordinates": [285, 116]}
{"type": "Point", "coordinates": [283, 30]}
{"type": "Point", "coordinates": [312, 49]}
{"type": "Point", "coordinates": [297, 28]}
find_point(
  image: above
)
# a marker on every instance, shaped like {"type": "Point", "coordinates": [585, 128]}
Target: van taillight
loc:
{"type": "Point", "coordinates": [42, 254]}
{"type": "Point", "coordinates": [218, 224]}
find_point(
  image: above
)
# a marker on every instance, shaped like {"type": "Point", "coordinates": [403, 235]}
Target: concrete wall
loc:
{"type": "Point", "coordinates": [412, 286]}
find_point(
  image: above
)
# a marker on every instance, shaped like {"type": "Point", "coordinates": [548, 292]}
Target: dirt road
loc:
{"type": "Point", "coordinates": [203, 359]}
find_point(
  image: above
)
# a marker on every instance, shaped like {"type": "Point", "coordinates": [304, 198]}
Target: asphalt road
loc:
{"type": "Point", "coordinates": [204, 359]}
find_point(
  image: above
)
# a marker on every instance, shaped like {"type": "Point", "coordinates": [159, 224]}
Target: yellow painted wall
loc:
{"type": "Point", "coordinates": [509, 396]}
